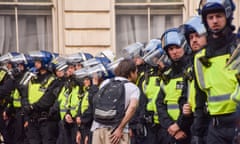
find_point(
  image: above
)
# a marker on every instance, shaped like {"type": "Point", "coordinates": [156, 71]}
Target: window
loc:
{"type": "Point", "coordinates": [142, 20]}
{"type": "Point", "coordinates": [25, 25]}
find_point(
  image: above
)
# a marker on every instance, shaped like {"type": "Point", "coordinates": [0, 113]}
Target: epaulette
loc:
{"type": "Point", "coordinates": [165, 76]}
{"type": "Point", "coordinates": [205, 61]}
{"type": "Point", "coordinates": [188, 74]}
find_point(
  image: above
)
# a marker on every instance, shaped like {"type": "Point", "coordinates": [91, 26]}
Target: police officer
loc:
{"type": "Point", "coordinates": [137, 130]}
{"type": "Point", "coordinates": [90, 88]}
{"type": "Point", "coordinates": [77, 58]}
{"type": "Point", "coordinates": [9, 76]}
{"type": "Point", "coordinates": [33, 88]}
{"type": "Point", "coordinates": [69, 100]}
{"type": "Point", "coordinates": [150, 87]}
{"type": "Point", "coordinates": [196, 36]}
{"type": "Point", "coordinates": [46, 104]}
{"type": "Point", "coordinates": [171, 89]}
{"type": "Point", "coordinates": [22, 63]}
{"type": "Point", "coordinates": [195, 33]}
{"type": "Point", "coordinates": [215, 83]}
{"type": "Point", "coordinates": [6, 78]}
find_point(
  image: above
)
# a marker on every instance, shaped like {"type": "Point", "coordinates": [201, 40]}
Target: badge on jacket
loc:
{"type": "Point", "coordinates": [179, 85]}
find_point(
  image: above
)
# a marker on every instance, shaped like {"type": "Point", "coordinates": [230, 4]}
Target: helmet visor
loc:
{"type": "Point", "coordinates": [197, 25]}
{"type": "Point", "coordinates": [99, 69]}
{"type": "Point", "coordinates": [19, 59]}
{"type": "Point", "coordinates": [171, 38]}
{"type": "Point", "coordinates": [153, 56]}
{"type": "Point", "coordinates": [59, 63]}
{"type": "Point", "coordinates": [75, 58]}
{"type": "Point", "coordinates": [36, 54]}
{"type": "Point", "coordinates": [153, 43]}
{"type": "Point", "coordinates": [81, 73]}
{"type": "Point", "coordinates": [215, 1]}
{"type": "Point", "coordinates": [132, 50]}
{"type": "Point", "coordinates": [90, 62]}
{"type": "Point", "coordinates": [111, 66]}
{"type": "Point", "coordinates": [5, 58]}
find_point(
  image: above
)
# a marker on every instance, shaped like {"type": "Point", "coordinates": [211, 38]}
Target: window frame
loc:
{"type": "Point", "coordinates": [149, 9]}
{"type": "Point", "coordinates": [17, 11]}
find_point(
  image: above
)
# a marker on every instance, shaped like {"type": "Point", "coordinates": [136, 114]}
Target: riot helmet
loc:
{"type": "Point", "coordinates": [79, 57]}
{"type": "Point", "coordinates": [42, 56]}
{"type": "Point", "coordinates": [59, 64]}
{"type": "Point", "coordinates": [111, 66]}
{"type": "Point", "coordinates": [99, 69]}
{"type": "Point", "coordinates": [152, 44]}
{"type": "Point", "coordinates": [95, 61]}
{"type": "Point", "coordinates": [174, 36]}
{"type": "Point", "coordinates": [132, 50]}
{"type": "Point", "coordinates": [153, 55]}
{"type": "Point", "coordinates": [213, 6]}
{"type": "Point", "coordinates": [23, 59]}
{"type": "Point", "coordinates": [7, 57]}
{"type": "Point", "coordinates": [174, 39]}
{"type": "Point", "coordinates": [107, 54]}
{"type": "Point", "coordinates": [194, 25]}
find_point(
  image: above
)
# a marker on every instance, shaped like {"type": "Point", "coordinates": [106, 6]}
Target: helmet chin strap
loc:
{"type": "Point", "coordinates": [219, 32]}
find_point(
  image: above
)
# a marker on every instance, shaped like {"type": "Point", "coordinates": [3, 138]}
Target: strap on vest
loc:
{"type": "Point", "coordinates": [205, 61]}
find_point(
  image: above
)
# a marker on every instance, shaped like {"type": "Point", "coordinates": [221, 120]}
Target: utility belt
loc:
{"type": "Point", "coordinates": [148, 117]}
{"type": "Point", "coordinates": [224, 121]}
{"type": "Point", "coordinates": [19, 111]}
{"type": "Point", "coordinates": [155, 127]}
{"type": "Point", "coordinates": [149, 120]}
{"type": "Point", "coordinates": [39, 116]}
{"type": "Point", "coordinates": [139, 130]}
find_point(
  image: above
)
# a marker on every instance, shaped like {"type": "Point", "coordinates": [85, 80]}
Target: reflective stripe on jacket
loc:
{"type": "Point", "coordinates": [173, 91]}
{"type": "Point", "coordinates": [151, 91]}
{"type": "Point", "coordinates": [218, 82]}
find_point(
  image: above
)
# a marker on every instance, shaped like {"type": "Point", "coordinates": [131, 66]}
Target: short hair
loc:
{"type": "Point", "coordinates": [125, 67]}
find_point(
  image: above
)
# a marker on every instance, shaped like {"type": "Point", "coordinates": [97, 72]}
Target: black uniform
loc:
{"type": "Point", "coordinates": [137, 123]}
{"type": "Point", "coordinates": [87, 116]}
{"type": "Point", "coordinates": [6, 126]}
{"type": "Point", "coordinates": [40, 129]}
{"type": "Point", "coordinates": [224, 44]}
{"type": "Point", "coordinates": [184, 123]}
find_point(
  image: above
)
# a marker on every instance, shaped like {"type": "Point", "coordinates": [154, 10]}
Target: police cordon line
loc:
{"type": "Point", "coordinates": [180, 88]}
{"type": "Point", "coordinates": [20, 72]}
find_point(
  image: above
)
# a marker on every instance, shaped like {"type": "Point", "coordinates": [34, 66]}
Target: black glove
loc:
{"type": "Point", "coordinates": [28, 109]}
{"type": "Point", "coordinates": [197, 140]}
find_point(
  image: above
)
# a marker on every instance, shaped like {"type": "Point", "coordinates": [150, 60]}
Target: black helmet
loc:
{"type": "Point", "coordinates": [212, 6]}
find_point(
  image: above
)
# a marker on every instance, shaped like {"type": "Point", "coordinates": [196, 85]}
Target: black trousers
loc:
{"type": "Point", "coordinates": [42, 132]}
{"type": "Point", "coordinates": [156, 135]}
{"type": "Point", "coordinates": [222, 129]}
{"type": "Point", "coordinates": [19, 131]}
{"type": "Point", "coordinates": [67, 133]}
